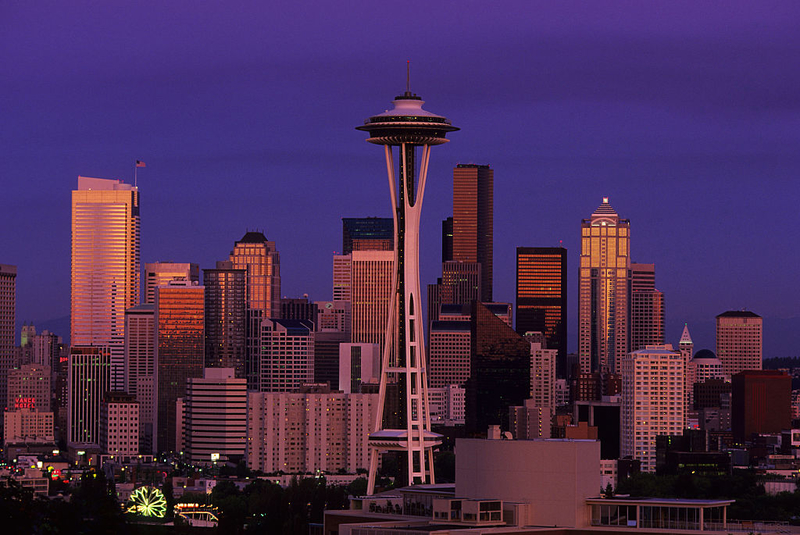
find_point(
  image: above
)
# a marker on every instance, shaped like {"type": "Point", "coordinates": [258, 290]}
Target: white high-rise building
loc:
{"type": "Point", "coordinates": [215, 417]}
{"type": "Point", "coordinates": [119, 424]}
{"type": "Point", "coordinates": [449, 353]}
{"type": "Point", "coordinates": [105, 266]}
{"type": "Point", "coordinates": [358, 364]}
{"type": "Point", "coordinates": [287, 355]}
{"type": "Point", "coordinates": [652, 401]}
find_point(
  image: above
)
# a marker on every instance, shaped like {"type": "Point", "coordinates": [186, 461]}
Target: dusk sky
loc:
{"type": "Point", "coordinates": [685, 114]}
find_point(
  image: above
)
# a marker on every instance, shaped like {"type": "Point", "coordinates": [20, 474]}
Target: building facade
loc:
{"type": "Point", "coordinates": [652, 401]}
{"type": "Point", "coordinates": [215, 417]}
{"type": "Point", "coordinates": [260, 258]}
{"type": "Point", "coordinates": [89, 380]}
{"type": "Point", "coordinates": [29, 388]}
{"type": "Point", "coordinates": [287, 355]}
{"type": "Point", "coordinates": [119, 424]}
{"type": "Point", "coordinates": [542, 297]}
{"type": "Point", "coordinates": [140, 367]}
{"type": "Point", "coordinates": [161, 273]}
{"type": "Point", "coordinates": [473, 220]}
{"type": "Point", "coordinates": [8, 308]}
{"type": "Point", "coordinates": [647, 307]}
{"type": "Point", "coordinates": [761, 403]}
{"type": "Point", "coordinates": [105, 266]}
{"type": "Point", "coordinates": [603, 323]}
{"type": "Point", "coordinates": [367, 234]}
{"type": "Point", "coordinates": [739, 341]}
{"type": "Point", "coordinates": [180, 347]}
{"type": "Point", "coordinates": [226, 315]}
{"type": "Point", "coordinates": [306, 432]}
{"type": "Point", "coordinates": [371, 290]}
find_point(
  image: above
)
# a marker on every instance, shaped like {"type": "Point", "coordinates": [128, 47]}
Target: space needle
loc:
{"type": "Point", "coordinates": [406, 126]}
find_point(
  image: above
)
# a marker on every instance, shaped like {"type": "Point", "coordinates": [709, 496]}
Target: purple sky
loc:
{"type": "Point", "coordinates": [687, 115]}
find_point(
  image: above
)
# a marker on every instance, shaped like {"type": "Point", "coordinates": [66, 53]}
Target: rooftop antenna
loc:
{"type": "Point", "coordinates": [408, 77]}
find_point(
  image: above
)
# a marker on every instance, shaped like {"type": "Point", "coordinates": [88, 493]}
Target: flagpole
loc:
{"type": "Point", "coordinates": [135, 174]}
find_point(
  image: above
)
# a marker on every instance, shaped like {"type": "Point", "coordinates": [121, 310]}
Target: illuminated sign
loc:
{"type": "Point", "coordinates": [24, 403]}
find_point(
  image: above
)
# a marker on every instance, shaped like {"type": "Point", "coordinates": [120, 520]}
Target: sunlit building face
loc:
{"type": "Point", "coordinates": [604, 288]}
{"type": "Point", "coordinates": [105, 265]}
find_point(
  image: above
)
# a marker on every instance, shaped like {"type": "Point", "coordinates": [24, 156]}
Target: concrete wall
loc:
{"type": "Point", "coordinates": [554, 476]}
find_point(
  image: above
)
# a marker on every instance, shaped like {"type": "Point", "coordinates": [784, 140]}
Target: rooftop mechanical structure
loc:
{"type": "Point", "coordinates": [408, 429]}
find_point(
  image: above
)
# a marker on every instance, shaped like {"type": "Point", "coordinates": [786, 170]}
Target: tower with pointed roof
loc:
{"type": "Point", "coordinates": [604, 290]}
{"type": "Point", "coordinates": [686, 346]}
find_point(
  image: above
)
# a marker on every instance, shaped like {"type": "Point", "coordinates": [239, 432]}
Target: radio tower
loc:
{"type": "Point", "coordinates": [407, 127]}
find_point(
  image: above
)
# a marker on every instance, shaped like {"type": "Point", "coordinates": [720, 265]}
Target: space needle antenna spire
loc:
{"type": "Point", "coordinates": [408, 429]}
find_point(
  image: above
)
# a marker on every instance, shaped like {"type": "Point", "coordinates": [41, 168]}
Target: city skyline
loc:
{"type": "Point", "coordinates": [684, 117]}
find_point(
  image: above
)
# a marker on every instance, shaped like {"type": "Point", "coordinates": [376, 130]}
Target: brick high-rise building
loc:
{"type": "Point", "coordinates": [739, 342]}
{"type": "Point", "coordinates": [105, 266]}
{"type": "Point", "coordinates": [761, 403]}
{"type": "Point", "coordinates": [180, 348]}
{"type": "Point", "coordinates": [603, 323]}
{"type": "Point", "coordinates": [473, 220]}
{"type": "Point", "coordinates": [542, 297]}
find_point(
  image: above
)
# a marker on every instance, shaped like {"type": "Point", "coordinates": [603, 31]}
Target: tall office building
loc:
{"type": "Point", "coordinates": [226, 312]}
{"type": "Point", "coordinates": [449, 353]}
{"type": "Point", "coordinates": [500, 367]}
{"type": "Point", "coordinates": [367, 234]}
{"type": "Point", "coordinates": [542, 297]}
{"type": "Point", "coordinates": [652, 401]}
{"type": "Point", "coordinates": [447, 239]}
{"type": "Point", "coordinates": [342, 275]}
{"type": "Point", "coordinates": [298, 308]}
{"type": "Point", "coordinates": [89, 380]}
{"type": "Point", "coordinates": [371, 292]}
{"type": "Point", "coordinates": [105, 266]}
{"type": "Point", "coordinates": [140, 368]}
{"type": "Point", "coordinates": [8, 304]}
{"type": "Point", "coordinates": [647, 307]}
{"type": "Point", "coordinates": [119, 424]}
{"type": "Point", "coordinates": [179, 345]}
{"type": "Point", "coordinates": [603, 329]}
{"type": "Point", "coordinates": [260, 258]}
{"type": "Point", "coordinates": [460, 284]}
{"type": "Point", "coordinates": [160, 273]}
{"type": "Point", "coordinates": [473, 220]}
{"type": "Point", "coordinates": [29, 388]}
{"type": "Point", "coordinates": [287, 355]}
{"type": "Point", "coordinates": [739, 341]}
{"type": "Point", "coordinates": [215, 417]}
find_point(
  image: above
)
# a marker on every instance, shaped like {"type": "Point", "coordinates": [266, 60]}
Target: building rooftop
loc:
{"type": "Point", "coordinates": [738, 314]}
{"type": "Point", "coordinates": [253, 237]}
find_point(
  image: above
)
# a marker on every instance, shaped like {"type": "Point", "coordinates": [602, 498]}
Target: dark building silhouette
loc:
{"type": "Point", "coordinates": [447, 239]}
{"type": "Point", "coordinates": [761, 403]}
{"type": "Point", "coordinates": [542, 297]}
{"type": "Point", "coordinates": [367, 234]}
{"type": "Point", "coordinates": [604, 415]}
{"type": "Point", "coordinates": [708, 394]}
{"type": "Point", "coordinates": [226, 309]}
{"type": "Point", "coordinates": [298, 308]}
{"type": "Point", "coordinates": [473, 220]}
{"type": "Point", "coordinates": [500, 365]}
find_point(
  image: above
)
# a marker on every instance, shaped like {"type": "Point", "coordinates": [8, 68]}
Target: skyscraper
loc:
{"type": "Point", "coordinates": [407, 126]}
{"type": "Point", "coordinates": [371, 293]}
{"type": "Point", "coordinates": [647, 307]}
{"type": "Point", "coordinates": [739, 341]}
{"type": "Point", "coordinates": [260, 258]}
{"type": "Point", "coordinates": [140, 364]}
{"type": "Point", "coordinates": [473, 220]}
{"type": "Point", "coordinates": [226, 312]}
{"type": "Point", "coordinates": [500, 367]}
{"type": "Point", "coordinates": [8, 304]}
{"type": "Point", "coordinates": [287, 355]}
{"type": "Point", "coordinates": [180, 344]}
{"type": "Point", "coordinates": [542, 297]}
{"type": "Point", "coordinates": [761, 402]}
{"type": "Point", "coordinates": [89, 380]}
{"type": "Point", "coordinates": [160, 273]}
{"type": "Point", "coordinates": [105, 266]}
{"type": "Point", "coordinates": [603, 329]}
{"type": "Point", "coordinates": [652, 401]}
{"type": "Point", "coordinates": [367, 234]}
